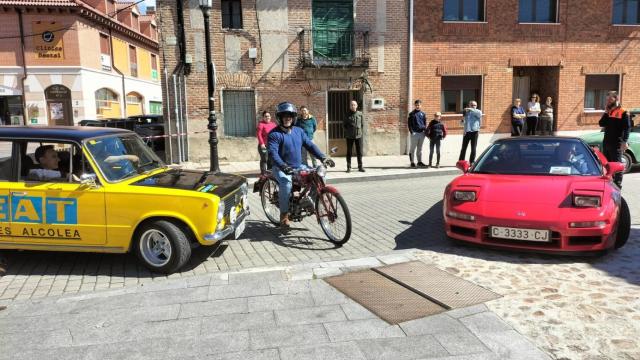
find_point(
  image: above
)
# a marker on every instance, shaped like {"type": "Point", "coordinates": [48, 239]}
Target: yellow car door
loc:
{"type": "Point", "coordinates": [57, 211]}
{"type": "Point", "coordinates": [7, 173]}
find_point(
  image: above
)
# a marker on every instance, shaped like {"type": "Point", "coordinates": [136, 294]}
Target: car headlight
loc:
{"type": "Point", "coordinates": [586, 201]}
{"type": "Point", "coordinates": [588, 224]}
{"type": "Point", "coordinates": [461, 216]}
{"type": "Point", "coordinates": [464, 195]}
{"type": "Point", "coordinates": [221, 210]}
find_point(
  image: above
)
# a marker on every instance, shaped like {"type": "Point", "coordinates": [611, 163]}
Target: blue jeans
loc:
{"type": "Point", "coordinates": [285, 184]}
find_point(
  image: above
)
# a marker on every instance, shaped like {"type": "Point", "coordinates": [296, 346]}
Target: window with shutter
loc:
{"type": "Point", "coordinates": [332, 29]}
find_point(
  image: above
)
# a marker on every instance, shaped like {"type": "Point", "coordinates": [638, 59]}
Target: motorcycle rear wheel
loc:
{"type": "Point", "coordinates": [334, 217]}
{"type": "Point", "coordinates": [269, 199]}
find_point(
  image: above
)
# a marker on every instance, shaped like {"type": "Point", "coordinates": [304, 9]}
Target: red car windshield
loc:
{"type": "Point", "coordinates": [538, 157]}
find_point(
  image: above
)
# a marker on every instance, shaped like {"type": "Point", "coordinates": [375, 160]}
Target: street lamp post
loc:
{"type": "Point", "coordinates": [214, 166]}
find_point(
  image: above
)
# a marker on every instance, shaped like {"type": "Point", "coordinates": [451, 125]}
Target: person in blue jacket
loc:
{"type": "Point", "coordinates": [285, 144]}
{"type": "Point", "coordinates": [309, 124]}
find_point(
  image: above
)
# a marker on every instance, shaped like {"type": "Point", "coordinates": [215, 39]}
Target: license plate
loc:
{"type": "Point", "coordinates": [239, 230]}
{"type": "Point", "coordinates": [520, 234]}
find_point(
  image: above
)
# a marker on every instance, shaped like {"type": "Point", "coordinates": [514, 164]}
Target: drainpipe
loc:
{"type": "Point", "coordinates": [178, 71]}
{"type": "Point", "coordinates": [167, 104]}
{"type": "Point", "coordinates": [123, 109]}
{"type": "Point", "coordinates": [410, 72]}
{"type": "Point", "coordinates": [24, 69]}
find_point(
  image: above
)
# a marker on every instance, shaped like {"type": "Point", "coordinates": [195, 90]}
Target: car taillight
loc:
{"type": "Point", "coordinates": [586, 201]}
{"type": "Point", "coordinates": [464, 195]}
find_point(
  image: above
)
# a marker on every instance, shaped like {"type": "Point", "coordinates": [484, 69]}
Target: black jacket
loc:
{"type": "Point", "coordinates": [616, 123]}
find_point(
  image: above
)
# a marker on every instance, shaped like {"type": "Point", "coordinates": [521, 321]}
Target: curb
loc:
{"type": "Point", "coordinates": [253, 176]}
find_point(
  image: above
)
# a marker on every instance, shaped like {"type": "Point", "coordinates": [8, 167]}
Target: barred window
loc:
{"type": "Point", "coordinates": [231, 14]}
{"type": "Point", "coordinates": [239, 111]}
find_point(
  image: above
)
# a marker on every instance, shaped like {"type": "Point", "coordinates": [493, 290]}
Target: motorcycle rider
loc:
{"type": "Point", "coordinates": [616, 123]}
{"type": "Point", "coordinates": [285, 144]}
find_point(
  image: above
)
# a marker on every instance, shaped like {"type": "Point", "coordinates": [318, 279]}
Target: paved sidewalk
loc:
{"type": "Point", "coordinates": [376, 167]}
{"type": "Point", "coordinates": [287, 313]}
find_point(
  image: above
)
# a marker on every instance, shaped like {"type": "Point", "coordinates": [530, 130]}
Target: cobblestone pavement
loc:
{"type": "Point", "coordinates": [572, 307]}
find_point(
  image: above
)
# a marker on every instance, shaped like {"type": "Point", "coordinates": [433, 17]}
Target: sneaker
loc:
{"type": "Point", "coordinates": [437, 166]}
{"type": "Point", "coordinates": [348, 170]}
{"type": "Point", "coordinates": [361, 169]}
{"type": "Point", "coordinates": [413, 166]}
{"type": "Point", "coordinates": [421, 164]}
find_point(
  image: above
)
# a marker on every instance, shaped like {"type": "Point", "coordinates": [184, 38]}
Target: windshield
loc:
{"type": "Point", "coordinates": [121, 157]}
{"type": "Point", "coordinates": [538, 157]}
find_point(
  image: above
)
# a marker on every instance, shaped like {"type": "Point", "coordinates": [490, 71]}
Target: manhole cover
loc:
{"type": "Point", "coordinates": [392, 302]}
{"type": "Point", "coordinates": [438, 285]}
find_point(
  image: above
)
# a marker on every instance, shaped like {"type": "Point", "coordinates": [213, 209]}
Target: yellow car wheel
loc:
{"type": "Point", "coordinates": [162, 246]}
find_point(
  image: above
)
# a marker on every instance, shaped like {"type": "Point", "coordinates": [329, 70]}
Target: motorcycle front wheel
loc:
{"type": "Point", "coordinates": [269, 198]}
{"type": "Point", "coordinates": [334, 217]}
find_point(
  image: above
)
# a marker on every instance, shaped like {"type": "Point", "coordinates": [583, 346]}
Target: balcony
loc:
{"type": "Point", "coordinates": [334, 48]}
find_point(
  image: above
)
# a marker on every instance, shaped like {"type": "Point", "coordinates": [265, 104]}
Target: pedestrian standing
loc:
{"type": "Point", "coordinates": [533, 110]}
{"type": "Point", "coordinates": [546, 116]}
{"type": "Point", "coordinates": [472, 120]}
{"type": "Point", "coordinates": [616, 123]}
{"type": "Point", "coordinates": [353, 131]}
{"type": "Point", "coordinates": [517, 118]}
{"type": "Point", "coordinates": [265, 125]}
{"type": "Point", "coordinates": [417, 123]}
{"type": "Point", "coordinates": [308, 123]}
{"type": "Point", "coordinates": [436, 132]}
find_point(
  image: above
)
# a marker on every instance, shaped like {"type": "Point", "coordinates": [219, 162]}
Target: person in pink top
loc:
{"type": "Point", "coordinates": [265, 125]}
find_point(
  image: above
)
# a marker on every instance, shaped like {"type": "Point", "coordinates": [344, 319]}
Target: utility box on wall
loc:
{"type": "Point", "coordinates": [377, 104]}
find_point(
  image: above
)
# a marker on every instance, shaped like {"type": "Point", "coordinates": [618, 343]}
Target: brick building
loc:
{"type": "Point", "coordinates": [319, 53]}
{"type": "Point", "coordinates": [498, 50]}
{"type": "Point", "coordinates": [62, 61]}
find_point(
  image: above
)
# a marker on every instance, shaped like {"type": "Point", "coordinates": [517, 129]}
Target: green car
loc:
{"type": "Point", "coordinates": [632, 155]}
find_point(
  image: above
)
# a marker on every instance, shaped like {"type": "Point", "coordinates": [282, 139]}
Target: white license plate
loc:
{"type": "Point", "coordinates": [520, 234]}
{"type": "Point", "coordinates": [239, 229]}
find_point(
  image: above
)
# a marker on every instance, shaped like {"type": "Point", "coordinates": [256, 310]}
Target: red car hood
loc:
{"type": "Point", "coordinates": [520, 190]}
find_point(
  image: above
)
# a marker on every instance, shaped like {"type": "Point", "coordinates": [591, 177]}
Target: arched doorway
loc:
{"type": "Point", "coordinates": [59, 111]}
{"type": "Point", "coordinates": [134, 104]}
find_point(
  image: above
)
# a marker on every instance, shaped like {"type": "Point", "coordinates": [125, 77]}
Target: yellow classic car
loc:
{"type": "Point", "coordinates": [102, 190]}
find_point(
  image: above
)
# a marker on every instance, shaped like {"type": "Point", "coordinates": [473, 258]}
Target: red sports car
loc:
{"type": "Point", "coordinates": [550, 194]}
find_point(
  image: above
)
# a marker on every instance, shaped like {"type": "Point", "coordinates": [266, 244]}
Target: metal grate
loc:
{"type": "Point", "coordinates": [392, 302]}
{"type": "Point", "coordinates": [437, 285]}
{"type": "Point", "coordinates": [231, 201]}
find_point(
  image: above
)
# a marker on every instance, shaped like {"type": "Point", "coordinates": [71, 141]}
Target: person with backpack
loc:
{"type": "Point", "coordinates": [436, 132]}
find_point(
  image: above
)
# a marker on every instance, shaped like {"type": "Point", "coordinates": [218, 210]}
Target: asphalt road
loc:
{"type": "Point", "coordinates": [387, 215]}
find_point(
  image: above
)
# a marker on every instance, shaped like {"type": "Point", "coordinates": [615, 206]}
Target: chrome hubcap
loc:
{"type": "Point", "coordinates": [155, 247]}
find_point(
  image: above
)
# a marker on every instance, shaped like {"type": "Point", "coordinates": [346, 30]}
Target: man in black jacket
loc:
{"type": "Point", "coordinates": [616, 123]}
{"type": "Point", "coordinates": [353, 131]}
{"type": "Point", "coordinates": [417, 125]}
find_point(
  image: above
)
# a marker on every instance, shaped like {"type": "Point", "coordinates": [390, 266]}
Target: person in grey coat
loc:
{"type": "Point", "coordinates": [353, 131]}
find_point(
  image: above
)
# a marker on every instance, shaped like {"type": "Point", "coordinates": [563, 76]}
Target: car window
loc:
{"type": "Point", "coordinates": [6, 160]}
{"type": "Point", "coordinates": [538, 157]}
{"type": "Point", "coordinates": [122, 157]}
{"type": "Point", "coordinates": [46, 161]}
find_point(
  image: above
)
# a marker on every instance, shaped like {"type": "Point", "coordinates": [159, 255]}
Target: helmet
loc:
{"type": "Point", "coordinates": [286, 108]}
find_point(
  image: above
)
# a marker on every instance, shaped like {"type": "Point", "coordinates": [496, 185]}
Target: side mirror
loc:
{"type": "Point", "coordinates": [89, 180]}
{"type": "Point", "coordinates": [463, 165]}
{"type": "Point", "coordinates": [613, 168]}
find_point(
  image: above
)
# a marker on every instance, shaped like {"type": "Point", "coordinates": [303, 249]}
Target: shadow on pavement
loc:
{"type": "Point", "coordinates": [427, 233]}
{"type": "Point", "coordinates": [258, 231]}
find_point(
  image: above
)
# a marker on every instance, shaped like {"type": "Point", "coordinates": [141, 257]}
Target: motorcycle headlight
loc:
{"type": "Point", "coordinates": [321, 171]}
{"type": "Point", "coordinates": [464, 195]}
{"type": "Point", "coordinates": [221, 210]}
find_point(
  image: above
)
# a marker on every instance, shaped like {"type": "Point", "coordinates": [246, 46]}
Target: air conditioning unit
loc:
{"type": "Point", "coordinates": [377, 104]}
{"type": "Point", "coordinates": [105, 61]}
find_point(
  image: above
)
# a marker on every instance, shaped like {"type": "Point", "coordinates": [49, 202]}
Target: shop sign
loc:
{"type": "Point", "coordinates": [48, 40]}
